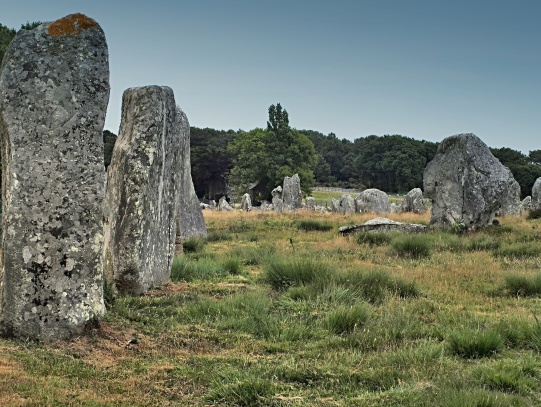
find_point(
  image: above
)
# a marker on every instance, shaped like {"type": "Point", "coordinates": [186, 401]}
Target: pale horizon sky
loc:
{"type": "Point", "coordinates": [425, 69]}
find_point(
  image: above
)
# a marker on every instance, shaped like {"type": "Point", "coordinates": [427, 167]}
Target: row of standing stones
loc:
{"type": "Point", "coordinates": [66, 229]}
{"type": "Point", "coordinates": [64, 233]}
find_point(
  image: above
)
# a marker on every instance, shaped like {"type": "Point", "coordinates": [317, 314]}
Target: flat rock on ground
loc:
{"type": "Point", "coordinates": [382, 225]}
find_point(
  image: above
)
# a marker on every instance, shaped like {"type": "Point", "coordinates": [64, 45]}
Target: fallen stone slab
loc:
{"type": "Point", "coordinates": [382, 225]}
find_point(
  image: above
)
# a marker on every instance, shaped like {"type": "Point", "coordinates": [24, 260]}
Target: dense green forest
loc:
{"type": "Point", "coordinates": [263, 156]}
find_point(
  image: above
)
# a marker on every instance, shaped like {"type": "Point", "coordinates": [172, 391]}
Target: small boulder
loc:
{"type": "Point", "coordinates": [414, 202]}
{"type": "Point", "coordinates": [373, 200]}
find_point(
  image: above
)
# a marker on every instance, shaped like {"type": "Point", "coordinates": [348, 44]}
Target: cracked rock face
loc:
{"type": "Point", "coordinates": [190, 221]}
{"type": "Point", "coordinates": [465, 182]}
{"type": "Point", "coordinates": [142, 191]}
{"type": "Point", "coordinates": [54, 90]}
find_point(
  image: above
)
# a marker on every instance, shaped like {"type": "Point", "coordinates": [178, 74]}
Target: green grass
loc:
{"type": "Point", "coordinates": [250, 320]}
{"type": "Point", "coordinates": [414, 246]}
{"type": "Point", "coordinates": [309, 225]}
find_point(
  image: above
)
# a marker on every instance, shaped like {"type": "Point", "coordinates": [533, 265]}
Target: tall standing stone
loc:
{"type": "Point", "coordinates": [190, 221]}
{"type": "Point", "coordinates": [536, 195]}
{"type": "Point", "coordinates": [511, 204]}
{"type": "Point", "coordinates": [347, 204]}
{"type": "Point", "coordinates": [54, 90]}
{"type": "Point", "coordinates": [413, 202]}
{"type": "Point", "coordinates": [246, 202]}
{"type": "Point", "coordinates": [465, 182]}
{"type": "Point", "coordinates": [142, 191]}
{"type": "Point", "coordinates": [277, 202]}
{"type": "Point", "coordinates": [292, 195]}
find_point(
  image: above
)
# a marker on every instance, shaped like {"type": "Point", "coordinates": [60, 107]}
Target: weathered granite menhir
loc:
{"type": "Point", "coordinates": [292, 195]}
{"type": "Point", "coordinates": [54, 90]}
{"type": "Point", "coordinates": [466, 183]}
{"type": "Point", "coordinates": [142, 191]}
{"type": "Point", "coordinates": [190, 221]}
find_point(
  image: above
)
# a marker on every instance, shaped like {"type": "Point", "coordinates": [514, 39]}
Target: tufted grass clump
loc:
{"type": "Point", "coordinates": [374, 238]}
{"type": "Point", "coordinates": [374, 285]}
{"type": "Point", "coordinates": [187, 269]}
{"type": "Point", "coordinates": [309, 225]}
{"type": "Point", "coordinates": [248, 392]}
{"type": "Point", "coordinates": [281, 273]}
{"type": "Point", "coordinates": [518, 251]}
{"type": "Point", "coordinates": [412, 246]}
{"type": "Point", "coordinates": [218, 236]}
{"type": "Point", "coordinates": [254, 255]}
{"type": "Point", "coordinates": [193, 245]}
{"type": "Point", "coordinates": [483, 243]}
{"type": "Point", "coordinates": [344, 319]}
{"type": "Point", "coordinates": [521, 285]}
{"type": "Point", "coordinates": [475, 343]}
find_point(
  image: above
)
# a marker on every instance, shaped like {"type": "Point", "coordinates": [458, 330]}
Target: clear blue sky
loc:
{"type": "Point", "coordinates": [425, 69]}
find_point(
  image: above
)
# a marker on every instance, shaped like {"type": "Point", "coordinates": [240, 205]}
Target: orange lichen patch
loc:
{"type": "Point", "coordinates": [71, 25]}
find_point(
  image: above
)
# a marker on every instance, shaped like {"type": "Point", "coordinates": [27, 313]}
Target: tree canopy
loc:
{"type": "Point", "coordinates": [266, 156]}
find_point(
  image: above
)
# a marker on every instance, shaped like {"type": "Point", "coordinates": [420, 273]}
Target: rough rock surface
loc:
{"type": "Point", "coordinates": [277, 202]}
{"type": "Point", "coordinates": [142, 191]}
{"type": "Point", "coordinates": [54, 90]}
{"type": "Point", "coordinates": [335, 205]}
{"type": "Point", "coordinates": [373, 200]}
{"type": "Point", "coordinates": [246, 202]}
{"type": "Point", "coordinates": [292, 195]}
{"type": "Point", "coordinates": [465, 183]}
{"type": "Point", "coordinates": [347, 204]}
{"type": "Point", "coordinates": [223, 205]}
{"type": "Point", "coordinates": [413, 202]}
{"type": "Point", "coordinates": [536, 195]}
{"type": "Point", "coordinates": [190, 221]}
{"type": "Point", "coordinates": [510, 200]}
{"type": "Point", "coordinates": [527, 203]}
{"type": "Point", "coordinates": [310, 203]}
{"type": "Point", "coordinates": [382, 225]}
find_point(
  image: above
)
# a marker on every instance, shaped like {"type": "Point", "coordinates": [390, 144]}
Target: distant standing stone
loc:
{"type": "Point", "coordinates": [292, 195]}
{"type": "Point", "coordinates": [536, 195]}
{"type": "Point", "coordinates": [277, 203]}
{"type": "Point", "coordinates": [190, 221]}
{"type": "Point", "coordinates": [54, 90]}
{"type": "Point", "coordinates": [373, 200]}
{"type": "Point", "coordinates": [511, 203]}
{"type": "Point", "coordinates": [310, 203]}
{"type": "Point", "coordinates": [142, 191]}
{"type": "Point", "coordinates": [527, 203]}
{"type": "Point", "coordinates": [413, 202]}
{"type": "Point", "coordinates": [246, 202]}
{"type": "Point", "coordinates": [465, 182]}
{"type": "Point", "coordinates": [223, 205]}
{"type": "Point", "coordinates": [347, 204]}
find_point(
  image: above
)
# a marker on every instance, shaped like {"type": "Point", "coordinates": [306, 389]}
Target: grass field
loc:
{"type": "Point", "coordinates": [278, 310]}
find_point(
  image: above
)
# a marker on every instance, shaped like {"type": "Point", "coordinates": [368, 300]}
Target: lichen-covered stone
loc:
{"type": "Point", "coordinates": [465, 182]}
{"type": "Point", "coordinates": [536, 195]}
{"type": "Point", "coordinates": [246, 202]}
{"type": "Point", "coordinates": [291, 194]}
{"type": "Point", "coordinates": [526, 203]}
{"type": "Point", "coordinates": [413, 202]}
{"type": "Point", "coordinates": [373, 200]}
{"type": "Point", "coordinates": [335, 205]}
{"type": "Point", "coordinates": [277, 202]}
{"type": "Point", "coordinates": [190, 221]}
{"type": "Point", "coordinates": [54, 90]}
{"type": "Point", "coordinates": [382, 225]}
{"type": "Point", "coordinates": [142, 191]}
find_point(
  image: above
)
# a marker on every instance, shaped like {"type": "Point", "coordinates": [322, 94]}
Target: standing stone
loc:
{"type": "Point", "coordinates": [54, 90]}
{"type": "Point", "coordinates": [190, 221]}
{"type": "Point", "coordinates": [335, 205]}
{"type": "Point", "coordinates": [465, 183]}
{"type": "Point", "coordinates": [527, 203]}
{"type": "Point", "coordinates": [536, 195]}
{"type": "Point", "coordinates": [292, 195]}
{"type": "Point", "coordinates": [413, 202]}
{"type": "Point", "coordinates": [510, 200]}
{"type": "Point", "coordinates": [311, 203]}
{"type": "Point", "coordinates": [277, 202]}
{"type": "Point", "coordinates": [223, 205]}
{"type": "Point", "coordinates": [347, 204]}
{"type": "Point", "coordinates": [246, 202]}
{"type": "Point", "coordinates": [373, 200]}
{"type": "Point", "coordinates": [142, 191]}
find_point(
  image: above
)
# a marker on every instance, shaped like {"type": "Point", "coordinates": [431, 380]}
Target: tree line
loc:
{"type": "Point", "coordinates": [259, 159]}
